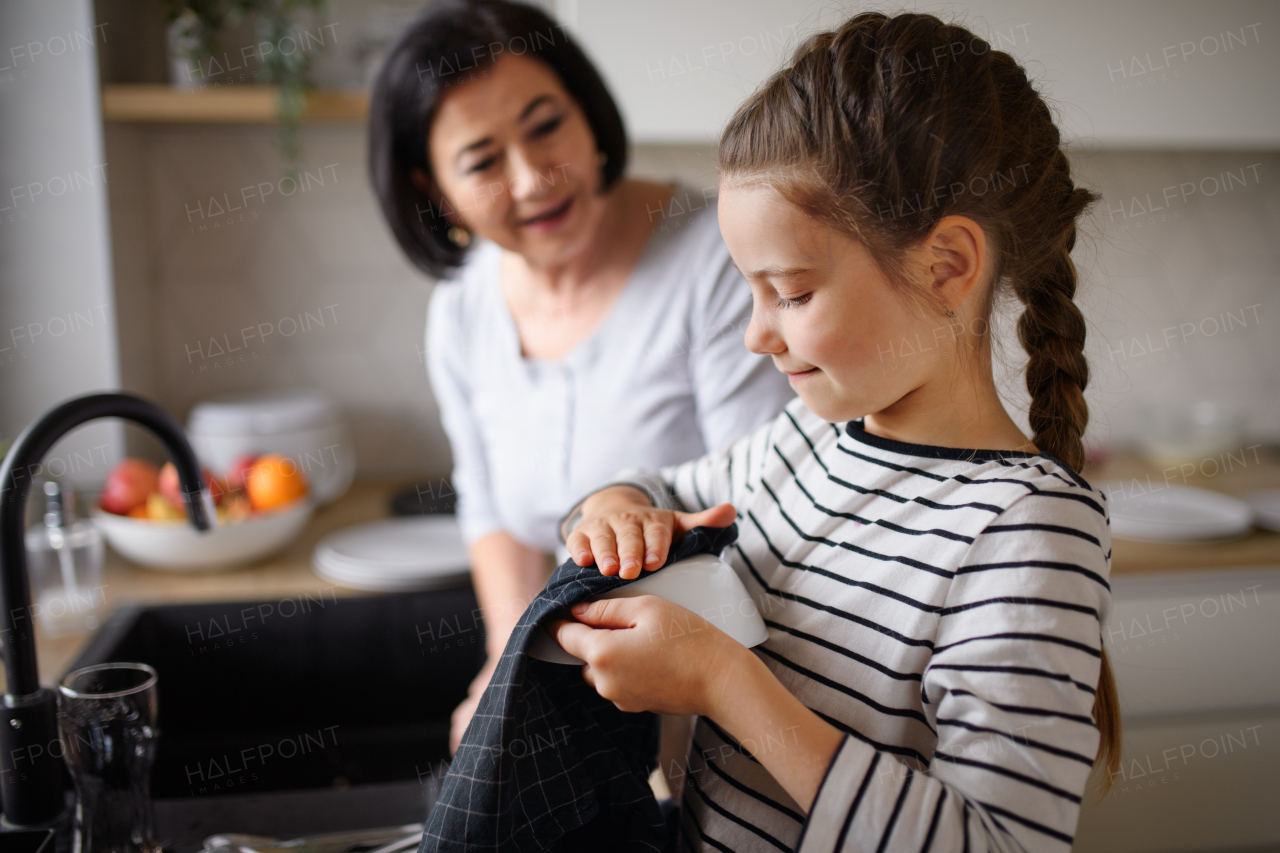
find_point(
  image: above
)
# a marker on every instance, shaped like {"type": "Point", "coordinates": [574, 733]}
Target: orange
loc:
{"type": "Point", "coordinates": [274, 481]}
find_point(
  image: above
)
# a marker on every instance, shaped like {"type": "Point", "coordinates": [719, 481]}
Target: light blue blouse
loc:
{"type": "Point", "coordinates": [664, 378]}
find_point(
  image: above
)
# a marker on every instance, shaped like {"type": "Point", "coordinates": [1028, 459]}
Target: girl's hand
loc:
{"type": "Point", "coordinates": [648, 654]}
{"type": "Point", "coordinates": [623, 532]}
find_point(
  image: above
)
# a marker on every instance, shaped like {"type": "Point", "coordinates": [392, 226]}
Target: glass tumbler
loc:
{"type": "Point", "coordinates": [107, 723]}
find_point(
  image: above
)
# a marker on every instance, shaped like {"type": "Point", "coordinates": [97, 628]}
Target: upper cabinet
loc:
{"type": "Point", "coordinates": [1131, 74]}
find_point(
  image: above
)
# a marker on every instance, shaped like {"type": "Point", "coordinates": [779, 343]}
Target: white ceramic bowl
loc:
{"type": "Point", "coordinates": [703, 583]}
{"type": "Point", "coordinates": [303, 425]}
{"type": "Point", "coordinates": [177, 546]}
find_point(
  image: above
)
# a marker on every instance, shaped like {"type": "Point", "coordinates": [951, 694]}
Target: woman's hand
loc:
{"type": "Point", "coordinates": [461, 717]}
{"type": "Point", "coordinates": [623, 532]}
{"type": "Point", "coordinates": [648, 654]}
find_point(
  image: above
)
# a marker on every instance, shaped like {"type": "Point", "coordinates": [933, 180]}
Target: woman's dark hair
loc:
{"type": "Point", "coordinates": [441, 49]}
{"type": "Point", "coordinates": [888, 124]}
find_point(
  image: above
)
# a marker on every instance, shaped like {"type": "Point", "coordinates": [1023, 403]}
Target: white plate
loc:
{"type": "Point", "coordinates": [1266, 508]}
{"type": "Point", "coordinates": [1172, 513]}
{"type": "Point", "coordinates": [395, 555]}
{"type": "Point", "coordinates": [703, 583]}
{"type": "Point", "coordinates": [177, 546]}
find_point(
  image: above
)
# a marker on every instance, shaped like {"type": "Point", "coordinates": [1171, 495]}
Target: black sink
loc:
{"type": "Point", "coordinates": [307, 693]}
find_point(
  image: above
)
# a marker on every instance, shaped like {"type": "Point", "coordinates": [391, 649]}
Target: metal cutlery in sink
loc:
{"type": "Point", "coordinates": [389, 839]}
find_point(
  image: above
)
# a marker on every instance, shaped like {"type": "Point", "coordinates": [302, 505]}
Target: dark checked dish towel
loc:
{"type": "Point", "coordinates": [547, 764]}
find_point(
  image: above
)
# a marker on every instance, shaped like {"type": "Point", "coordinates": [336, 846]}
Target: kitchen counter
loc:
{"type": "Point", "coordinates": [286, 575]}
{"type": "Point", "coordinates": [1257, 548]}
{"type": "Point", "coordinates": [289, 574]}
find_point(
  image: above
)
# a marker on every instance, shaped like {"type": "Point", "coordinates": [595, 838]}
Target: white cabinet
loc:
{"type": "Point", "coordinates": [1196, 642]}
{"type": "Point", "coordinates": [1134, 74]}
{"type": "Point", "coordinates": [1197, 662]}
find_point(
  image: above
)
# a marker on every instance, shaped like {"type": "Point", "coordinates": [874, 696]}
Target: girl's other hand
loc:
{"type": "Point", "coordinates": [648, 654]}
{"type": "Point", "coordinates": [623, 532]}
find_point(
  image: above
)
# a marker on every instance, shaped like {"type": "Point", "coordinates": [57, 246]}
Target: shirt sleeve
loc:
{"type": "Point", "coordinates": [446, 366]}
{"type": "Point", "coordinates": [1010, 687]}
{"type": "Point", "coordinates": [735, 390]}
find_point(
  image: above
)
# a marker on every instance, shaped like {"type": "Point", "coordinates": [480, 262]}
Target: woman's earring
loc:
{"type": "Point", "coordinates": [459, 236]}
{"type": "Point", "coordinates": [951, 315]}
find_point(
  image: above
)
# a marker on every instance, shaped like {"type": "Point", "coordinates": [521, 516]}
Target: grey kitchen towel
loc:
{"type": "Point", "coordinates": [546, 763]}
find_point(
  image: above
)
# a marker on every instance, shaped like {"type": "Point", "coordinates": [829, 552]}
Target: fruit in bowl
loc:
{"type": "Point", "coordinates": [128, 486]}
{"type": "Point", "coordinates": [274, 481]}
{"type": "Point", "coordinates": [169, 485]}
{"type": "Point", "coordinates": [142, 514]}
{"type": "Point", "coordinates": [267, 483]}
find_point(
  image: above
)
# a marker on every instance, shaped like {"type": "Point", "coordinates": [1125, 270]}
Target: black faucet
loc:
{"type": "Point", "coordinates": [33, 778]}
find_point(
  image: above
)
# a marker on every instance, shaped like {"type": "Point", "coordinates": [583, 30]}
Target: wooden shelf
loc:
{"type": "Point", "coordinates": [248, 104]}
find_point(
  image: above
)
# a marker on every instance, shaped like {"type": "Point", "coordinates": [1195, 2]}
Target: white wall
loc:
{"type": "Point", "coordinates": [680, 69]}
{"type": "Point", "coordinates": [57, 315]}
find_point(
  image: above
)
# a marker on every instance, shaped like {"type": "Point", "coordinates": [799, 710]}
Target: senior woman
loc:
{"type": "Point", "coordinates": [588, 321]}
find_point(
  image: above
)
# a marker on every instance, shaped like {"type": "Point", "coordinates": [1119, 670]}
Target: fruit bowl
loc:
{"type": "Point", "coordinates": [177, 546]}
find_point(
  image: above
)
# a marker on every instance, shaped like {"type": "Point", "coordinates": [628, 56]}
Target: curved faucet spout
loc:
{"type": "Point", "coordinates": [15, 482]}
{"type": "Point", "coordinates": [28, 712]}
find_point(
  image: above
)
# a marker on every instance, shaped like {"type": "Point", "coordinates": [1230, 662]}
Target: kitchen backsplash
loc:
{"type": "Point", "coordinates": [230, 275]}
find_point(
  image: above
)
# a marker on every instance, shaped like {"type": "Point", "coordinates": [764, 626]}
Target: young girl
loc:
{"type": "Point", "coordinates": [934, 583]}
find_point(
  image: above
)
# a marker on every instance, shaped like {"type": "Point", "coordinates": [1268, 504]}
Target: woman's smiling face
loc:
{"type": "Point", "coordinates": [823, 309]}
{"type": "Point", "coordinates": [515, 157]}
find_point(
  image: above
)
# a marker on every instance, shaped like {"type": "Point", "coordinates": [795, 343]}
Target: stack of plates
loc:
{"type": "Point", "coordinates": [1170, 513]}
{"type": "Point", "coordinates": [1266, 508]}
{"type": "Point", "coordinates": [396, 555]}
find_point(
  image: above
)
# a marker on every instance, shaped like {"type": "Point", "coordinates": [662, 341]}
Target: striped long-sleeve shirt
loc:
{"type": "Point", "coordinates": [940, 607]}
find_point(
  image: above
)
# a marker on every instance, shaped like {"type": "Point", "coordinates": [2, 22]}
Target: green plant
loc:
{"type": "Point", "coordinates": [201, 23]}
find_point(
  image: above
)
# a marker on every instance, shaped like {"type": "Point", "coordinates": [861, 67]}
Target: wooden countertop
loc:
{"type": "Point", "coordinates": [289, 574]}
{"type": "Point", "coordinates": [1257, 548]}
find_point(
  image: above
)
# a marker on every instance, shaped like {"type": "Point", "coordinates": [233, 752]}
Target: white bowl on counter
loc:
{"type": "Point", "coordinates": [303, 425]}
{"type": "Point", "coordinates": [179, 547]}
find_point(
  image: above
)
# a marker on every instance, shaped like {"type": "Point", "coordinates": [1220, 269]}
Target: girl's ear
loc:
{"type": "Point", "coordinates": [956, 252]}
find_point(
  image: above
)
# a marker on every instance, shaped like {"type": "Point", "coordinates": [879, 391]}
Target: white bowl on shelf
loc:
{"type": "Point", "coordinates": [179, 547]}
{"type": "Point", "coordinates": [303, 425]}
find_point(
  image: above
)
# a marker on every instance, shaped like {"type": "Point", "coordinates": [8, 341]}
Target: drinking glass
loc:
{"type": "Point", "coordinates": [107, 722]}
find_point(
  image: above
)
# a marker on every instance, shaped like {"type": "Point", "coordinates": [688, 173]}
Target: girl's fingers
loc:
{"type": "Point", "coordinates": [572, 636]}
{"type": "Point", "coordinates": [657, 541]}
{"type": "Point", "coordinates": [579, 546]}
{"type": "Point", "coordinates": [631, 548]}
{"type": "Point", "coordinates": [718, 516]}
{"type": "Point", "coordinates": [605, 548]}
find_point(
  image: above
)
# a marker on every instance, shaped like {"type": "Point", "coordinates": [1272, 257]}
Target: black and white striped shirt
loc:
{"type": "Point", "coordinates": [941, 607]}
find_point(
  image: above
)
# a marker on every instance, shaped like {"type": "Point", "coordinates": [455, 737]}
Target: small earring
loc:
{"type": "Point", "coordinates": [459, 237]}
{"type": "Point", "coordinates": [951, 315]}
{"type": "Point", "coordinates": [601, 158]}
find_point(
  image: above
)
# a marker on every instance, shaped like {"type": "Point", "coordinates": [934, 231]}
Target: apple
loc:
{"type": "Point", "coordinates": [170, 486]}
{"type": "Point", "coordinates": [238, 472]}
{"type": "Point", "coordinates": [128, 485]}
